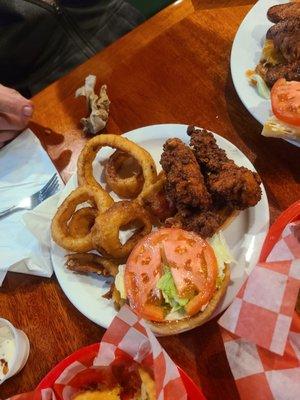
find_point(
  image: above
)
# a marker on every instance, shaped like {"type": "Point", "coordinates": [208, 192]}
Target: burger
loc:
{"type": "Point", "coordinates": [174, 279]}
{"type": "Point", "coordinates": [123, 379]}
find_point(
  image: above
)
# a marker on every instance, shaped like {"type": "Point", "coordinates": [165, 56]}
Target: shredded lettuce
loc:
{"type": "Point", "coordinates": [169, 291]}
{"type": "Point", "coordinates": [261, 85]}
{"type": "Point", "coordinates": [120, 283]}
{"type": "Point", "coordinates": [222, 254]}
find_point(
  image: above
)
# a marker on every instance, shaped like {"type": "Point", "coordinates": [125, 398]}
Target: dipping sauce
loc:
{"type": "Point", "coordinates": [7, 350]}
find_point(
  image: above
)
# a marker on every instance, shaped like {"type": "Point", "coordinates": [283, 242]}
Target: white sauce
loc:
{"type": "Point", "coordinates": [7, 350]}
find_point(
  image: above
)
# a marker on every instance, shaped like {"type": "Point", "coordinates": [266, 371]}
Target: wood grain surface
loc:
{"type": "Point", "coordinates": [173, 68]}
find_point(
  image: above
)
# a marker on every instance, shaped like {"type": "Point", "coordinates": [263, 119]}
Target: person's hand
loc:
{"type": "Point", "coordinates": [15, 113]}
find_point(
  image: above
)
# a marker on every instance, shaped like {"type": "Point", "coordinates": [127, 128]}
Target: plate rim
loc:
{"type": "Point", "coordinates": [134, 131]}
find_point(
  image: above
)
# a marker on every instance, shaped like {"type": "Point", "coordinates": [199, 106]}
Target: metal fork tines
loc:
{"type": "Point", "coordinates": [51, 187]}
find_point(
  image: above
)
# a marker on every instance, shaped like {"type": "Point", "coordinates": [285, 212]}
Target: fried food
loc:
{"type": "Point", "coordinates": [92, 263]}
{"type": "Point", "coordinates": [59, 226]}
{"type": "Point", "coordinates": [282, 11]}
{"type": "Point", "coordinates": [205, 223]}
{"type": "Point", "coordinates": [105, 236]}
{"type": "Point", "coordinates": [281, 52]}
{"type": "Point", "coordinates": [82, 222]}
{"type": "Point", "coordinates": [91, 148]}
{"type": "Point", "coordinates": [286, 36]}
{"type": "Point", "coordinates": [208, 154]}
{"type": "Point", "coordinates": [185, 183]}
{"type": "Point", "coordinates": [227, 187]}
{"type": "Point", "coordinates": [290, 72]}
{"type": "Point", "coordinates": [129, 186]}
{"type": "Point", "coordinates": [237, 187]}
{"type": "Point", "coordinates": [122, 379]}
{"type": "Point", "coordinates": [156, 201]}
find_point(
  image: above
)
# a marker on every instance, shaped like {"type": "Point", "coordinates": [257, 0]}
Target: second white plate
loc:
{"type": "Point", "coordinates": [245, 54]}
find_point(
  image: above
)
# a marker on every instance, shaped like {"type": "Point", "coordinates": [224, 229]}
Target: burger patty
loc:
{"type": "Point", "coordinates": [286, 26]}
{"type": "Point", "coordinates": [286, 37]}
{"type": "Point", "coordinates": [290, 71]}
{"type": "Point", "coordinates": [282, 11]}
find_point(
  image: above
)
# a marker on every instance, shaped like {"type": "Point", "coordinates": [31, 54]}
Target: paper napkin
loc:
{"type": "Point", "coordinates": [25, 168]}
{"type": "Point", "coordinates": [262, 330]}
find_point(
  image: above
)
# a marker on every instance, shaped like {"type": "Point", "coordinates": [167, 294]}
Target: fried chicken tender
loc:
{"type": "Point", "coordinates": [280, 12]}
{"type": "Point", "coordinates": [237, 187]}
{"type": "Point", "coordinates": [207, 152]}
{"type": "Point", "coordinates": [185, 186]}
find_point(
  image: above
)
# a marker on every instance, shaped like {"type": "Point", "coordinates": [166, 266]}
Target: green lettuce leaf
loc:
{"type": "Point", "coordinates": [169, 291]}
{"type": "Point", "coordinates": [261, 85]}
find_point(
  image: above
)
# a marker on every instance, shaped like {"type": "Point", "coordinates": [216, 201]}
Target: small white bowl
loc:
{"type": "Point", "coordinates": [21, 353]}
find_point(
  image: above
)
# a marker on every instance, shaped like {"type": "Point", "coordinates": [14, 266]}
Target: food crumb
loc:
{"type": "Point", "coordinates": [4, 365]}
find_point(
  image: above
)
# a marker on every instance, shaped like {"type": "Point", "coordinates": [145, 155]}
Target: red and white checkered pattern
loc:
{"type": "Point", "coordinates": [127, 336]}
{"type": "Point", "coordinates": [262, 330]}
{"type": "Point", "coordinates": [130, 335]}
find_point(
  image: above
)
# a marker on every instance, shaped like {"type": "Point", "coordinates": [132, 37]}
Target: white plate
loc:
{"type": "Point", "coordinates": [245, 54]}
{"type": "Point", "coordinates": [245, 235]}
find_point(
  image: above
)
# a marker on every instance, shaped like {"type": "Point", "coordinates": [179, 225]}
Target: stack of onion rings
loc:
{"type": "Point", "coordinates": [97, 226]}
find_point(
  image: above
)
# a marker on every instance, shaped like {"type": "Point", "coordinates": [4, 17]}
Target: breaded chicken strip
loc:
{"type": "Point", "coordinates": [185, 185]}
{"type": "Point", "coordinates": [280, 12]}
{"type": "Point", "coordinates": [236, 187]}
{"type": "Point", "coordinates": [207, 152]}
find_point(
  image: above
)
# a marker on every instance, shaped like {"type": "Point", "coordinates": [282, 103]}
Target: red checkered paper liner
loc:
{"type": "Point", "coordinates": [262, 330]}
{"type": "Point", "coordinates": [127, 337]}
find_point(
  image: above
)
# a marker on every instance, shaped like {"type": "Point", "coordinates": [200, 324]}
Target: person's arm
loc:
{"type": "Point", "coordinates": [15, 113]}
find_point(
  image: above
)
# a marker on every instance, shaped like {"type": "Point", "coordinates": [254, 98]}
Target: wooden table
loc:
{"type": "Point", "coordinates": [173, 68]}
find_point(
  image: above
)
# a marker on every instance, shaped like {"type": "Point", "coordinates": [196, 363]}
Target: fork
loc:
{"type": "Point", "coordinates": [32, 201]}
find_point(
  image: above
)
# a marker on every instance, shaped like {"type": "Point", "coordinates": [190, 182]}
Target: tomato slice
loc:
{"type": "Point", "coordinates": [285, 99]}
{"type": "Point", "coordinates": [192, 263]}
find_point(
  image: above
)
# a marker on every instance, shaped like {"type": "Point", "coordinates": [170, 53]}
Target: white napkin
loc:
{"type": "Point", "coordinates": [25, 168]}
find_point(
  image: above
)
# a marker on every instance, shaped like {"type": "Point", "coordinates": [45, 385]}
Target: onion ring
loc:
{"type": "Point", "coordinates": [105, 235]}
{"type": "Point", "coordinates": [91, 148]}
{"type": "Point", "coordinates": [59, 228]}
{"type": "Point", "coordinates": [129, 186]}
{"type": "Point", "coordinates": [91, 263]}
{"type": "Point", "coordinates": [82, 222]}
